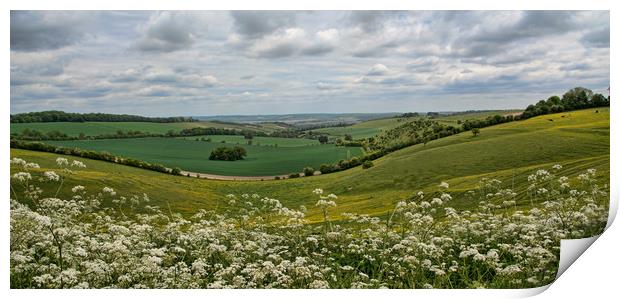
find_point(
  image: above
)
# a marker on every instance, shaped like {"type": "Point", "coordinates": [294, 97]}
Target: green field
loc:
{"type": "Point", "coordinates": [193, 155]}
{"type": "Point", "coordinates": [271, 141]}
{"type": "Point", "coordinates": [578, 141]}
{"type": "Point", "coordinates": [98, 128]}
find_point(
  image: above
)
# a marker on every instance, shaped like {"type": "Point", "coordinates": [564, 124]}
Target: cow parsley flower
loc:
{"type": "Point", "coordinates": [324, 204]}
{"type": "Point", "coordinates": [109, 191]}
{"type": "Point", "coordinates": [18, 161]}
{"type": "Point", "coordinates": [444, 185]}
{"type": "Point", "coordinates": [62, 162]}
{"type": "Point", "coordinates": [22, 176]}
{"type": "Point", "coordinates": [77, 189]}
{"type": "Point", "coordinates": [51, 176]}
{"type": "Point", "coordinates": [78, 164]}
{"type": "Point", "coordinates": [31, 166]}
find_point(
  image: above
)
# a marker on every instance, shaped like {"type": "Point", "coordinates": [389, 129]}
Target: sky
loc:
{"type": "Point", "coordinates": [194, 63]}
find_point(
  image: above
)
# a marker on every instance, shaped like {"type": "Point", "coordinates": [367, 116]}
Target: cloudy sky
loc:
{"type": "Point", "coordinates": [247, 62]}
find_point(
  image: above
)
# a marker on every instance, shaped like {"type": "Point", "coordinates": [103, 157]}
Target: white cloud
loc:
{"type": "Point", "coordinates": [378, 70]}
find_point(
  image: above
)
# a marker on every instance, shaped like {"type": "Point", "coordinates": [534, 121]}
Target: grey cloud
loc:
{"type": "Point", "coordinates": [277, 51]}
{"type": "Point", "coordinates": [39, 30]}
{"type": "Point", "coordinates": [531, 24]}
{"type": "Point", "coordinates": [596, 38]}
{"type": "Point", "coordinates": [371, 20]}
{"type": "Point", "coordinates": [168, 32]}
{"type": "Point", "coordinates": [255, 24]}
{"type": "Point", "coordinates": [326, 86]}
{"type": "Point", "coordinates": [317, 49]}
{"type": "Point", "coordinates": [575, 67]}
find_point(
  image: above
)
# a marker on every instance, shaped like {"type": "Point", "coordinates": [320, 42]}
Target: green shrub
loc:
{"type": "Point", "coordinates": [367, 164]}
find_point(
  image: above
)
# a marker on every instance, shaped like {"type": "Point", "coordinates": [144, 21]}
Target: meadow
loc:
{"type": "Point", "coordinates": [97, 238]}
{"type": "Point", "coordinates": [191, 155]}
{"type": "Point", "coordinates": [577, 140]}
{"type": "Point", "coordinates": [99, 128]}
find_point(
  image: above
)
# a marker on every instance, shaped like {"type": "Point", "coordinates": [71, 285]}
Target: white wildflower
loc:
{"type": "Point", "coordinates": [109, 191]}
{"type": "Point", "coordinates": [22, 176]}
{"type": "Point", "coordinates": [78, 164]}
{"type": "Point", "coordinates": [51, 176]}
{"type": "Point", "coordinates": [62, 162]}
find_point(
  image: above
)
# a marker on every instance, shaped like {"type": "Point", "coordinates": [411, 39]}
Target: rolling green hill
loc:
{"type": "Point", "coordinates": [373, 127]}
{"type": "Point", "coordinates": [364, 129]}
{"type": "Point", "coordinates": [577, 140]}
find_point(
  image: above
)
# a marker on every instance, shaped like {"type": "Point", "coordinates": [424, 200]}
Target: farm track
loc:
{"type": "Point", "coordinates": [237, 178]}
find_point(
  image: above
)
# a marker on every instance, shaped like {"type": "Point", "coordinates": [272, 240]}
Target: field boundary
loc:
{"type": "Point", "coordinates": [218, 177]}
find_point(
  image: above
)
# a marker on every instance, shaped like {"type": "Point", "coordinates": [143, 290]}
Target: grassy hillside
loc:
{"type": "Point", "coordinates": [98, 128]}
{"type": "Point", "coordinates": [577, 140]}
{"type": "Point", "coordinates": [364, 129]}
{"type": "Point", "coordinates": [193, 155]}
{"type": "Point", "coordinates": [373, 127]}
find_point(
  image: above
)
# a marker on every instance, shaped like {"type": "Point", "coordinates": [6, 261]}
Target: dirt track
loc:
{"type": "Point", "coordinates": [236, 178]}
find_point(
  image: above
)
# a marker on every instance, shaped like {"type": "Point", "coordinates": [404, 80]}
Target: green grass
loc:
{"type": "Point", "coordinates": [578, 141]}
{"type": "Point", "coordinates": [263, 141]}
{"type": "Point", "coordinates": [98, 128]}
{"type": "Point", "coordinates": [193, 155]}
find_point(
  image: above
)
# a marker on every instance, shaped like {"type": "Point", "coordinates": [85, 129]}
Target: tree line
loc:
{"type": "Point", "coordinates": [574, 99]}
{"type": "Point", "coordinates": [34, 135]}
{"type": "Point", "coordinates": [61, 116]}
{"type": "Point", "coordinates": [88, 154]}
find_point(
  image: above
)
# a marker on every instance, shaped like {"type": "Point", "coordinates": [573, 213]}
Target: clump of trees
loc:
{"type": "Point", "coordinates": [228, 154]}
{"type": "Point", "coordinates": [574, 99]}
{"type": "Point", "coordinates": [308, 171]}
{"type": "Point", "coordinates": [61, 116]}
{"type": "Point", "coordinates": [409, 114]}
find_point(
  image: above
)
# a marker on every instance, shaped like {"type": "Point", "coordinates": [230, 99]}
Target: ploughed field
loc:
{"type": "Point", "coordinates": [290, 155]}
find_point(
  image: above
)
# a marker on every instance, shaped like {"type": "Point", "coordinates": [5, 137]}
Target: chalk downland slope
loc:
{"type": "Point", "coordinates": [577, 140]}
